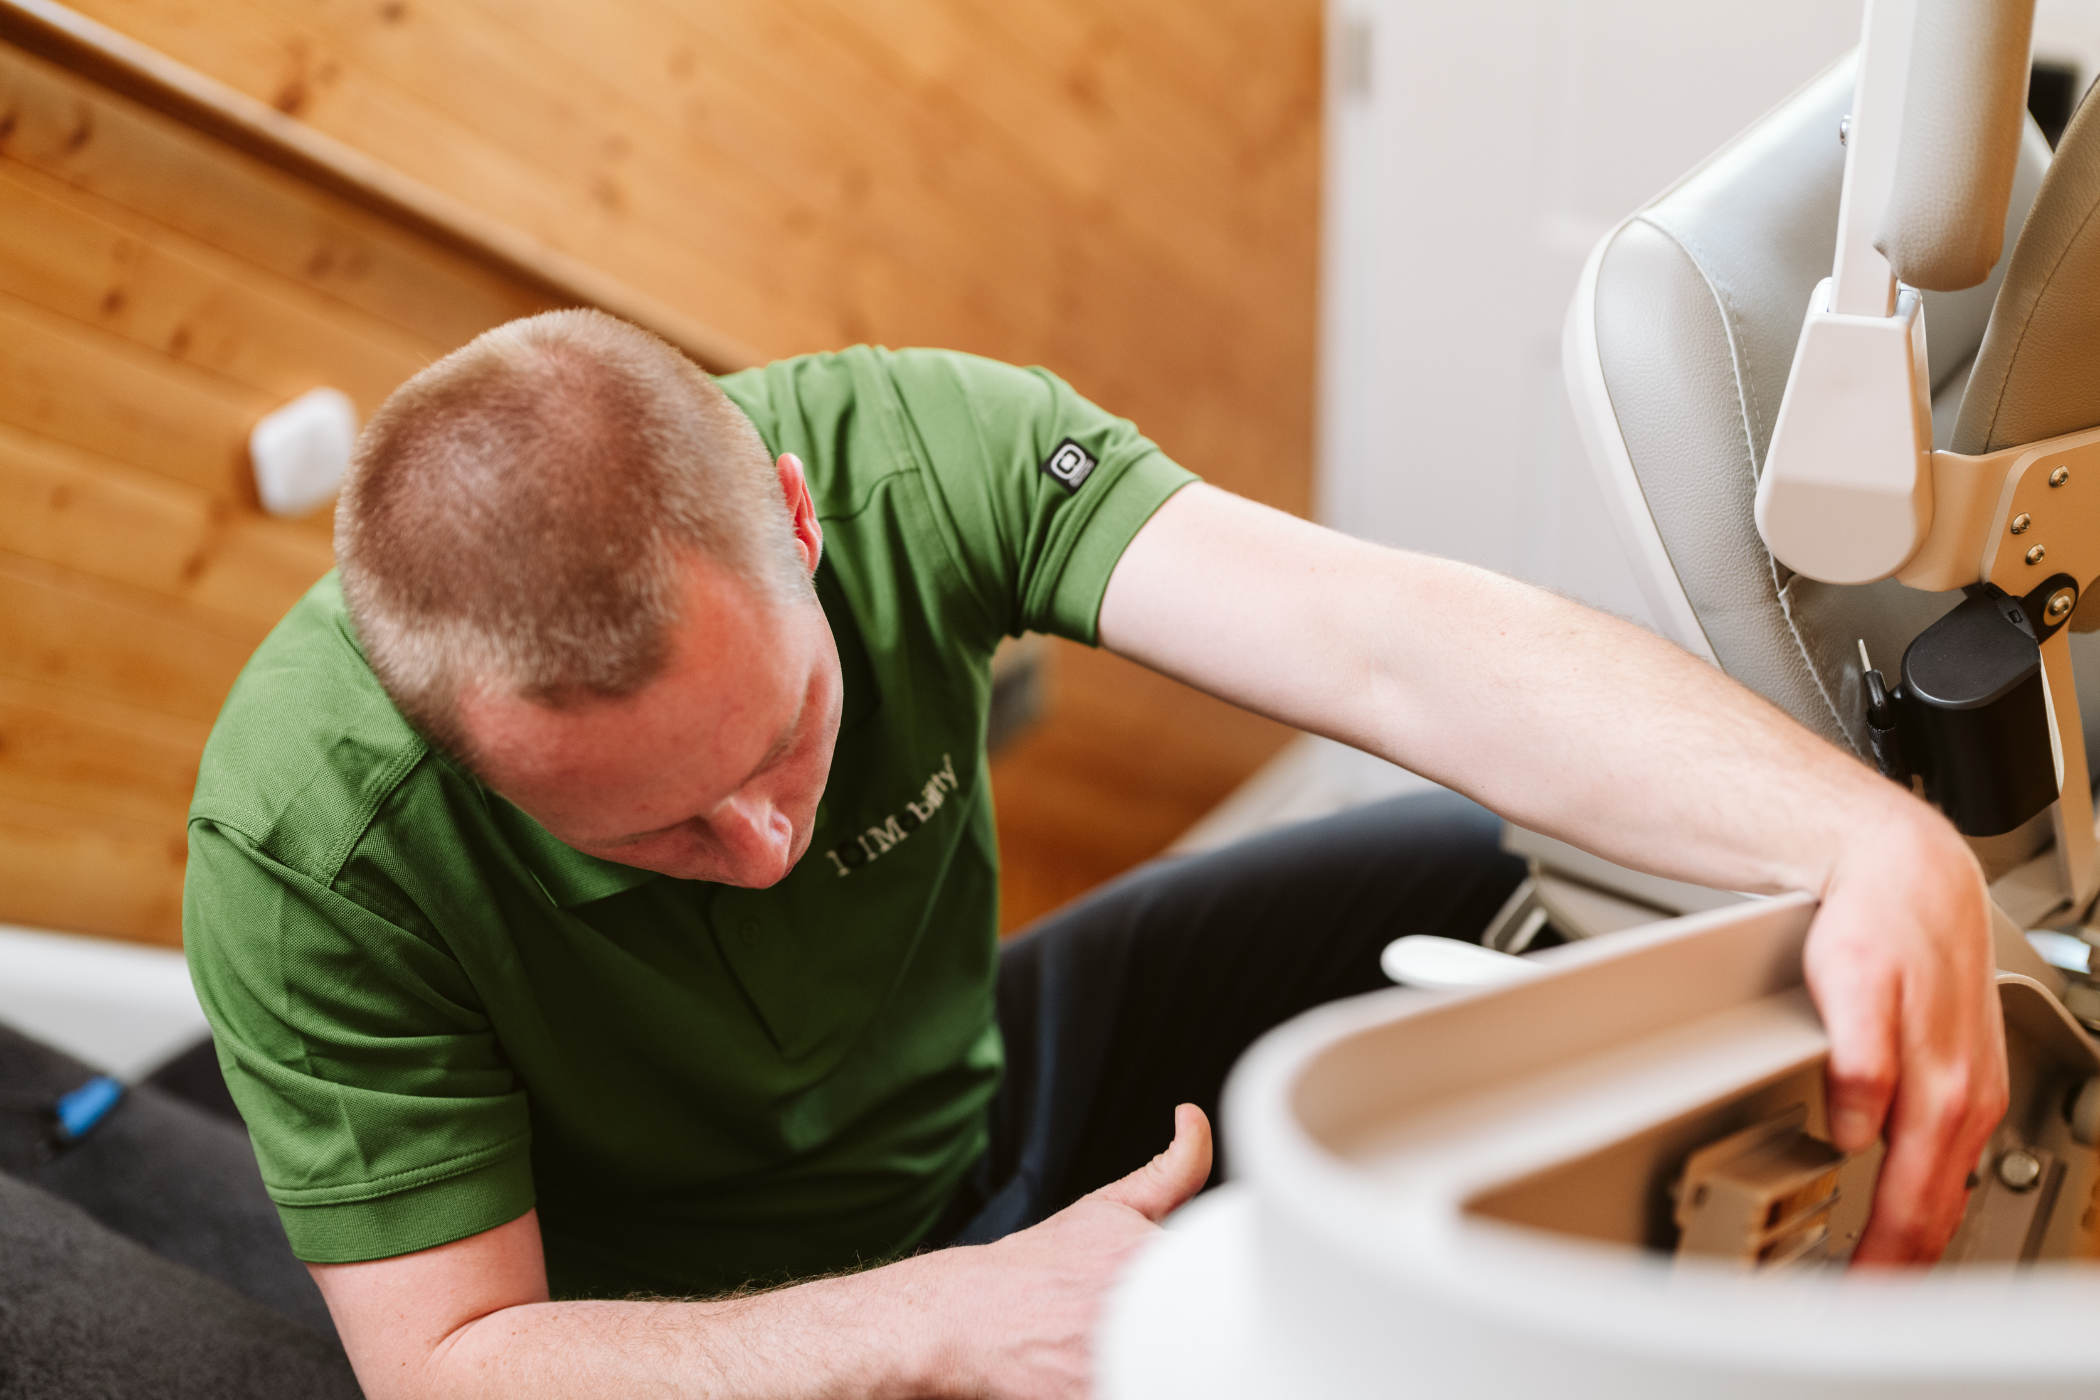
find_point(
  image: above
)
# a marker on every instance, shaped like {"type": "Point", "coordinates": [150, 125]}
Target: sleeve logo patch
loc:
{"type": "Point", "coordinates": [1070, 465]}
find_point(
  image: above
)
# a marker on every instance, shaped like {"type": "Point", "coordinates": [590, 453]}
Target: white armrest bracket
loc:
{"type": "Point", "coordinates": [1846, 494]}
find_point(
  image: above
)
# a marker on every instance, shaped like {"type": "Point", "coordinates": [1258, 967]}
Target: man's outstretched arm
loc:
{"type": "Point", "coordinates": [1009, 1319]}
{"type": "Point", "coordinates": [1588, 728]}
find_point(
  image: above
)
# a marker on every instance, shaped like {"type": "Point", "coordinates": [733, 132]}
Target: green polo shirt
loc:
{"type": "Point", "coordinates": [435, 1016]}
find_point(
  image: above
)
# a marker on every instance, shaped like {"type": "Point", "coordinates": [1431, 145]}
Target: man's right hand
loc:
{"type": "Point", "coordinates": [1012, 1319]}
{"type": "Point", "coordinates": [1026, 1316]}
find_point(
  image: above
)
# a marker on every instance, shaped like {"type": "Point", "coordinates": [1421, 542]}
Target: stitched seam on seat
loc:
{"type": "Point", "coordinates": [1745, 391]}
{"type": "Point", "coordinates": [1746, 395]}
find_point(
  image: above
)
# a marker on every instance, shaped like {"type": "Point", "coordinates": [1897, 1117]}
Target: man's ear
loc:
{"type": "Point", "coordinates": [802, 511]}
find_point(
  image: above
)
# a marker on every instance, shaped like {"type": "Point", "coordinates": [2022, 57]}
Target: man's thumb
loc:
{"type": "Point", "coordinates": [1174, 1175]}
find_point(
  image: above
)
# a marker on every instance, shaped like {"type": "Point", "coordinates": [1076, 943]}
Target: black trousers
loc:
{"type": "Point", "coordinates": [1143, 994]}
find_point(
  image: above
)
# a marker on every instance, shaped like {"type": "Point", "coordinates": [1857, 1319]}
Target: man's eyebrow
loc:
{"type": "Point", "coordinates": [772, 755]}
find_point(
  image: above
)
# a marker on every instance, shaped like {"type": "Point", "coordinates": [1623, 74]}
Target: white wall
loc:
{"type": "Point", "coordinates": [1476, 151]}
{"type": "Point", "coordinates": [2068, 32]}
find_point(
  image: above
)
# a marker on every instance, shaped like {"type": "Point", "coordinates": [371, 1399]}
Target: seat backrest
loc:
{"type": "Point", "coordinates": [2038, 370]}
{"type": "Point", "coordinates": [1679, 345]}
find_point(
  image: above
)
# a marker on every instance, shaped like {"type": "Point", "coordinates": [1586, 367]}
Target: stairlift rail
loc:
{"type": "Point", "coordinates": [1862, 283]}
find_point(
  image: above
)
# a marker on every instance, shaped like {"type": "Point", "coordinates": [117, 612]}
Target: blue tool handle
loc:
{"type": "Point", "coordinates": [81, 1110]}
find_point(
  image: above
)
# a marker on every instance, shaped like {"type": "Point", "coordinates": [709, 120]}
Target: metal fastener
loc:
{"type": "Point", "coordinates": [2060, 604]}
{"type": "Point", "coordinates": [1844, 128]}
{"type": "Point", "coordinates": [2021, 522]}
{"type": "Point", "coordinates": [2020, 1169]}
{"type": "Point", "coordinates": [2059, 476]}
{"type": "Point", "coordinates": [2034, 556]}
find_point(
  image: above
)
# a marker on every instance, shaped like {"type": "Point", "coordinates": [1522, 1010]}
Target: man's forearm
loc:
{"type": "Point", "coordinates": [471, 1318]}
{"type": "Point", "coordinates": [877, 1334]}
{"type": "Point", "coordinates": [1561, 718]}
{"type": "Point", "coordinates": [1588, 727]}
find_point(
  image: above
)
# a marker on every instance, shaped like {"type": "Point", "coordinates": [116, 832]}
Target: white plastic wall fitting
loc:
{"type": "Point", "coordinates": [302, 450]}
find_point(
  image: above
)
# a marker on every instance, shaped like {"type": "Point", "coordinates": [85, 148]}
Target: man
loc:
{"type": "Point", "coordinates": [595, 895]}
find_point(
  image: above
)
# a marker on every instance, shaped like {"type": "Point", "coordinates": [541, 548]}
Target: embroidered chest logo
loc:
{"type": "Point", "coordinates": [878, 841]}
{"type": "Point", "coordinates": [1070, 465]}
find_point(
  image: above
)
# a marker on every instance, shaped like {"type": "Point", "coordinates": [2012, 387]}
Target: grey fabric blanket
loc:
{"type": "Point", "coordinates": [145, 1259]}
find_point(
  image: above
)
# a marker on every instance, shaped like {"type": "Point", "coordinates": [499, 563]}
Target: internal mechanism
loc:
{"type": "Point", "coordinates": [1775, 1196]}
{"type": "Point", "coordinates": [1763, 1196]}
{"type": "Point", "coordinates": [1752, 1181]}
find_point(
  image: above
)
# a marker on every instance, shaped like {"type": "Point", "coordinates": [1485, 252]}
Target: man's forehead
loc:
{"type": "Point", "coordinates": [718, 704]}
{"type": "Point", "coordinates": [681, 711]}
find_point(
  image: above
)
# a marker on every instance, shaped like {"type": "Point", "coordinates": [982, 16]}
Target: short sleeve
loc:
{"type": "Point", "coordinates": [1038, 490]}
{"type": "Point", "coordinates": [384, 1115]}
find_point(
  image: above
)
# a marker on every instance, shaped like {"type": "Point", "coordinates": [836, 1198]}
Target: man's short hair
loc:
{"type": "Point", "coordinates": [517, 514]}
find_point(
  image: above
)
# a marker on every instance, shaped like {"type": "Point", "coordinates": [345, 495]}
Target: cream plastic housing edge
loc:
{"type": "Point", "coordinates": [1354, 1273]}
{"type": "Point", "coordinates": [1598, 425]}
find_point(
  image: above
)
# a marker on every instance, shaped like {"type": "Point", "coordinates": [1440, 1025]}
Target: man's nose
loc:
{"type": "Point", "coordinates": [754, 833]}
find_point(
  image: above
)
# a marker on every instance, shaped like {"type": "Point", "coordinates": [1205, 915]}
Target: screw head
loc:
{"type": "Point", "coordinates": [2020, 1169]}
{"type": "Point", "coordinates": [2060, 604]}
{"type": "Point", "coordinates": [1844, 128]}
{"type": "Point", "coordinates": [2059, 476]}
{"type": "Point", "coordinates": [2020, 523]}
{"type": "Point", "coordinates": [2034, 556]}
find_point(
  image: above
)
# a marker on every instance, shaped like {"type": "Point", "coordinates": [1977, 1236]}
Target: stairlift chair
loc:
{"type": "Point", "coordinates": [1712, 411]}
{"type": "Point", "coordinates": [1603, 1169]}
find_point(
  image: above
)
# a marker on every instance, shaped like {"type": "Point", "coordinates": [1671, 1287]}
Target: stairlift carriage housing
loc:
{"type": "Point", "coordinates": [1477, 1192]}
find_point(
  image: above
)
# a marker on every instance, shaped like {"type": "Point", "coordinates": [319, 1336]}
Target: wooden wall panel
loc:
{"type": "Point", "coordinates": [261, 216]}
{"type": "Point", "coordinates": [67, 749]}
{"type": "Point", "coordinates": [78, 385]}
{"type": "Point", "coordinates": [160, 291]}
{"type": "Point", "coordinates": [1123, 190]}
{"type": "Point", "coordinates": [117, 523]}
{"type": "Point", "coordinates": [66, 868]}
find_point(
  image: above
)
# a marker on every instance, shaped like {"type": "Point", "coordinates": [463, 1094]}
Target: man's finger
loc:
{"type": "Point", "coordinates": [1922, 1192]}
{"type": "Point", "coordinates": [1176, 1174]}
{"type": "Point", "coordinates": [1861, 1009]}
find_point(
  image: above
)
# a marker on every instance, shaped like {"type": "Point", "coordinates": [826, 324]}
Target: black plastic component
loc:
{"type": "Point", "coordinates": [1883, 733]}
{"type": "Point", "coordinates": [2052, 95]}
{"type": "Point", "coordinates": [1973, 717]}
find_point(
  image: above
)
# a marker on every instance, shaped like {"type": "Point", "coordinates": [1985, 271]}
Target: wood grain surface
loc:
{"type": "Point", "coordinates": [159, 292]}
{"type": "Point", "coordinates": [1124, 192]}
